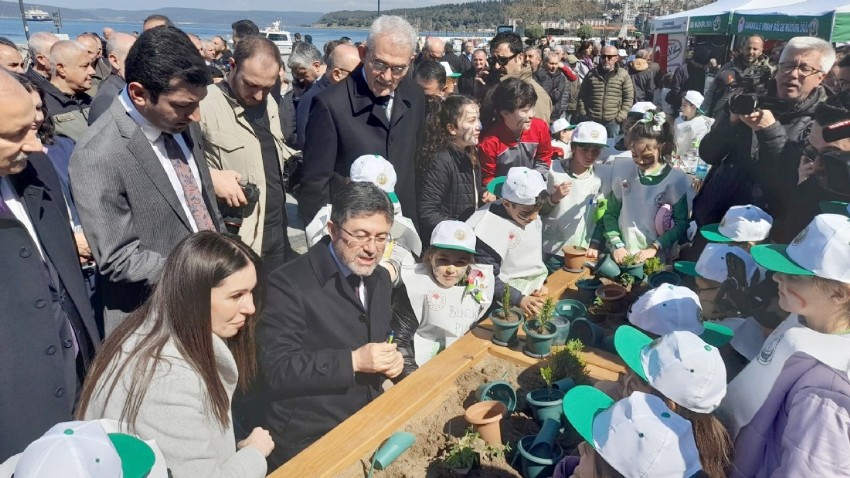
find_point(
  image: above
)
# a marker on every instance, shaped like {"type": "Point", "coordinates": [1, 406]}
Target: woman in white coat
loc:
{"type": "Point", "coordinates": [168, 372]}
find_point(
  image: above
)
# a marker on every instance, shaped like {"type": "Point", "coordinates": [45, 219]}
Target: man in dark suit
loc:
{"type": "Point", "coordinates": [46, 322]}
{"type": "Point", "coordinates": [322, 341]}
{"type": "Point", "coordinates": [376, 110]}
{"type": "Point", "coordinates": [116, 48]}
{"type": "Point", "coordinates": [138, 174]}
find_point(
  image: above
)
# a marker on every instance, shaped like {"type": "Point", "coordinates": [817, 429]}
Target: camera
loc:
{"type": "Point", "coordinates": [233, 216]}
{"type": "Point", "coordinates": [751, 92]}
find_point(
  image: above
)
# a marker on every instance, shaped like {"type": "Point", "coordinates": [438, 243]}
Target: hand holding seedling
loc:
{"type": "Point", "coordinates": [620, 255]}
{"type": "Point", "coordinates": [381, 358]}
{"type": "Point", "coordinates": [531, 305]}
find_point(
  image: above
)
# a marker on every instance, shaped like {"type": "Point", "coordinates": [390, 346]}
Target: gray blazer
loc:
{"type": "Point", "coordinates": [174, 413]}
{"type": "Point", "coordinates": [130, 214]}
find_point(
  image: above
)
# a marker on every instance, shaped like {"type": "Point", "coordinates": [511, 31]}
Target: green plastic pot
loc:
{"type": "Point", "coordinates": [589, 333]}
{"type": "Point", "coordinates": [498, 390]}
{"type": "Point", "coordinates": [546, 403]}
{"type": "Point", "coordinates": [394, 446]}
{"type": "Point", "coordinates": [606, 267]}
{"type": "Point", "coordinates": [587, 289]}
{"type": "Point", "coordinates": [538, 345]}
{"type": "Point", "coordinates": [664, 277]}
{"type": "Point", "coordinates": [505, 332]}
{"type": "Point", "coordinates": [537, 466]}
{"type": "Point", "coordinates": [635, 271]}
{"type": "Point", "coordinates": [570, 309]}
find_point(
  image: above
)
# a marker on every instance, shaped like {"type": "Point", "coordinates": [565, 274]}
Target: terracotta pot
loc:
{"type": "Point", "coordinates": [574, 258]}
{"type": "Point", "coordinates": [485, 418]}
{"type": "Point", "coordinates": [612, 295]}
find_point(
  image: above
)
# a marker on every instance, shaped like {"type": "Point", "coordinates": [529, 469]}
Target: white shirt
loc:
{"type": "Point", "coordinates": [13, 202]}
{"type": "Point", "coordinates": [389, 108]}
{"type": "Point", "coordinates": [154, 136]}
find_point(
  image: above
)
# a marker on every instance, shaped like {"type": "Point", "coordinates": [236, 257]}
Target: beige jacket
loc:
{"type": "Point", "coordinates": [230, 143]}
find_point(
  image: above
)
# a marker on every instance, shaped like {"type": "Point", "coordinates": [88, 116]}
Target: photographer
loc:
{"type": "Point", "coordinates": [824, 167]}
{"type": "Point", "coordinates": [245, 150]}
{"type": "Point", "coordinates": [750, 61]}
{"type": "Point", "coordinates": [782, 124]}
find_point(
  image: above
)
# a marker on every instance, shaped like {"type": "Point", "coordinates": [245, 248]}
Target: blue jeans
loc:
{"type": "Point", "coordinates": [613, 129]}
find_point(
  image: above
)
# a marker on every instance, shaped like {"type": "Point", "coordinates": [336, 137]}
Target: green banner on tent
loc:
{"type": "Point", "coordinates": [783, 27]}
{"type": "Point", "coordinates": [841, 30]}
{"type": "Point", "coordinates": [709, 25]}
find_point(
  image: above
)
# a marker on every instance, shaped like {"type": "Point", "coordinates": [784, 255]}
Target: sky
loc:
{"type": "Point", "coordinates": [301, 6]}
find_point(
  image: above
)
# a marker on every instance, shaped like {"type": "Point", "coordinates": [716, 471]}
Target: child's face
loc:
{"type": "Point", "coordinates": [798, 294]}
{"type": "Point", "coordinates": [566, 135]}
{"type": "Point", "coordinates": [689, 111]}
{"type": "Point", "coordinates": [449, 266]}
{"type": "Point", "coordinates": [645, 153]}
{"type": "Point", "coordinates": [586, 155]}
{"type": "Point", "coordinates": [467, 128]}
{"type": "Point", "coordinates": [521, 214]}
{"type": "Point", "coordinates": [586, 466]}
{"type": "Point", "coordinates": [518, 120]}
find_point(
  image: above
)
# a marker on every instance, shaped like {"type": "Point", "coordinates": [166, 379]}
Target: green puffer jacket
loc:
{"type": "Point", "coordinates": [606, 98]}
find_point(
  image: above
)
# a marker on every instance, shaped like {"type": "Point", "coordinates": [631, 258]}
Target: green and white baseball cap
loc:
{"type": "Point", "coordinates": [590, 133]}
{"type": "Point", "coordinates": [669, 308]}
{"type": "Point", "coordinates": [711, 264]}
{"type": "Point", "coordinates": [455, 235]}
{"type": "Point", "coordinates": [835, 207]}
{"type": "Point", "coordinates": [740, 224]}
{"type": "Point", "coordinates": [680, 365]}
{"type": "Point", "coordinates": [639, 436]}
{"type": "Point", "coordinates": [522, 186]}
{"type": "Point", "coordinates": [822, 249]}
{"type": "Point", "coordinates": [449, 72]}
{"type": "Point", "coordinates": [373, 168]}
{"type": "Point", "coordinates": [83, 448]}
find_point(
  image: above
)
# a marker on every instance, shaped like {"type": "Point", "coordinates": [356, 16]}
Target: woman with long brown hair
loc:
{"type": "Point", "coordinates": [168, 372]}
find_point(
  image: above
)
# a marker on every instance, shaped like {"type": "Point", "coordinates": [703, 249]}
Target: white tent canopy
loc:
{"type": "Point", "coordinates": [807, 8]}
{"type": "Point", "coordinates": [722, 7]}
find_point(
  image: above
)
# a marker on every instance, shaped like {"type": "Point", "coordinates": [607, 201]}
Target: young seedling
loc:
{"type": "Point", "coordinates": [630, 260]}
{"type": "Point", "coordinates": [506, 305]}
{"type": "Point", "coordinates": [464, 450]}
{"type": "Point", "coordinates": [545, 316]}
{"type": "Point", "coordinates": [546, 374]}
{"type": "Point", "coordinates": [626, 279]}
{"type": "Point", "coordinates": [567, 362]}
{"type": "Point", "coordinates": [652, 265]}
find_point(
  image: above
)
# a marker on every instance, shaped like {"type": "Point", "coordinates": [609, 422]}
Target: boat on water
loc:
{"type": "Point", "coordinates": [281, 38]}
{"type": "Point", "coordinates": [35, 14]}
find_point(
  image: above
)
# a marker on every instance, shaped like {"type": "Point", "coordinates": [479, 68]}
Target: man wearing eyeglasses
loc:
{"type": "Point", "coordinates": [322, 343]}
{"type": "Point", "coordinates": [508, 61]}
{"type": "Point", "coordinates": [781, 135]}
{"type": "Point", "coordinates": [378, 109]}
{"type": "Point", "coordinates": [607, 93]}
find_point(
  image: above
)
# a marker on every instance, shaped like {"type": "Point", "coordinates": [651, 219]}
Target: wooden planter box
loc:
{"type": "Point", "coordinates": [364, 431]}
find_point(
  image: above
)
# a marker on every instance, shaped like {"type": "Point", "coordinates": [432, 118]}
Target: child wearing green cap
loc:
{"type": "Point", "coordinates": [789, 409]}
{"type": "Point", "coordinates": [440, 298]}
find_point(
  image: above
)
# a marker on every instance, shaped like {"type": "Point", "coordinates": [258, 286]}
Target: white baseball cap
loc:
{"type": "Point", "coordinates": [622, 52]}
{"type": "Point", "coordinates": [559, 125]}
{"type": "Point", "coordinates": [639, 436]}
{"type": "Point", "coordinates": [694, 98]}
{"type": "Point", "coordinates": [642, 107]}
{"type": "Point", "coordinates": [712, 263]}
{"type": "Point", "coordinates": [373, 168]}
{"type": "Point", "coordinates": [822, 249]}
{"type": "Point", "coordinates": [680, 365]}
{"type": "Point", "coordinates": [670, 308]}
{"type": "Point", "coordinates": [589, 132]}
{"type": "Point", "coordinates": [84, 449]}
{"type": "Point", "coordinates": [449, 72]}
{"type": "Point", "coordinates": [522, 186]}
{"type": "Point", "coordinates": [740, 224]}
{"type": "Point", "coordinates": [456, 235]}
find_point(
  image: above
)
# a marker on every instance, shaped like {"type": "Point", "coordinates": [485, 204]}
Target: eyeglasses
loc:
{"type": "Point", "coordinates": [504, 60]}
{"type": "Point", "coordinates": [381, 67]}
{"type": "Point", "coordinates": [608, 57]}
{"type": "Point", "coordinates": [363, 239]}
{"type": "Point", "coordinates": [805, 70]}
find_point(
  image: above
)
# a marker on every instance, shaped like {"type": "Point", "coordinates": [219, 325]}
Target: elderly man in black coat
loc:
{"type": "Point", "coordinates": [376, 110]}
{"type": "Point", "coordinates": [46, 322]}
{"type": "Point", "coordinates": [323, 338]}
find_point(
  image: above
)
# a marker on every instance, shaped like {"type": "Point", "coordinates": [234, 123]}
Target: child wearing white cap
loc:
{"type": "Point", "coordinates": [690, 127]}
{"type": "Point", "coordinates": [510, 237]}
{"type": "Point", "coordinates": [373, 168]}
{"type": "Point", "coordinates": [441, 298]}
{"type": "Point", "coordinates": [619, 148]}
{"type": "Point", "coordinates": [650, 202]}
{"type": "Point", "coordinates": [790, 407]}
{"type": "Point", "coordinates": [689, 375]}
{"type": "Point", "coordinates": [562, 133]}
{"type": "Point", "coordinates": [636, 437]}
{"type": "Point", "coordinates": [569, 217]}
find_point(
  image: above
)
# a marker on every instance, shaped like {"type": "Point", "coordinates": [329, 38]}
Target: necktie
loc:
{"type": "Point", "coordinates": [356, 283]}
{"type": "Point", "coordinates": [384, 101]}
{"type": "Point", "coordinates": [194, 198]}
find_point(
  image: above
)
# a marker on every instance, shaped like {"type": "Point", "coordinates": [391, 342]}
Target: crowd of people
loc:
{"type": "Point", "coordinates": [151, 286]}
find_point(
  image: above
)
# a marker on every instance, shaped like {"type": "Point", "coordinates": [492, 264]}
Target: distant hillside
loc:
{"type": "Point", "coordinates": [180, 15]}
{"type": "Point", "coordinates": [455, 16]}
